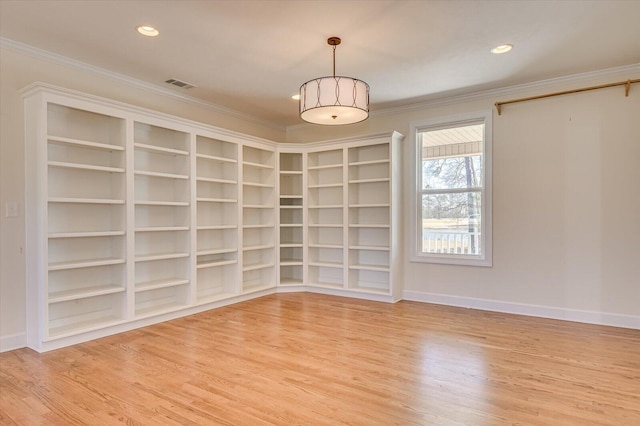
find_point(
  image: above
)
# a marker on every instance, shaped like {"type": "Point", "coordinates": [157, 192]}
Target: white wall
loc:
{"type": "Point", "coordinates": [18, 70]}
{"type": "Point", "coordinates": [566, 204]}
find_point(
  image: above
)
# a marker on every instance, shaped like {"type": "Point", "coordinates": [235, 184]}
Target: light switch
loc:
{"type": "Point", "coordinates": [11, 209]}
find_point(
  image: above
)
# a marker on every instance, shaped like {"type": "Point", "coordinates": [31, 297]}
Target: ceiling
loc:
{"type": "Point", "coordinates": [251, 56]}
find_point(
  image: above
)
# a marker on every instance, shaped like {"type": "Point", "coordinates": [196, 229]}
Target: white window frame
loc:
{"type": "Point", "coordinates": [486, 258]}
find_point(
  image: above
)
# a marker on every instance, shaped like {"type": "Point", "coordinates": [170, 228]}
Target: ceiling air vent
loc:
{"type": "Point", "coordinates": [181, 84]}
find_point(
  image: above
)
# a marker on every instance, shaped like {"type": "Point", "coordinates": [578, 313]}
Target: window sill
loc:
{"type": "Point", "coordinates": [444, 259]}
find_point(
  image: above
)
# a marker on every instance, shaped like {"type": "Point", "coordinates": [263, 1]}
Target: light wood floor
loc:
{"type": "Point", "coordinates": [305, 359]}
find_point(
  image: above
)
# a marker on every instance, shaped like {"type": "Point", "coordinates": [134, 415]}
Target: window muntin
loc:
{"type": "Point", "coordinates": [451, 183]}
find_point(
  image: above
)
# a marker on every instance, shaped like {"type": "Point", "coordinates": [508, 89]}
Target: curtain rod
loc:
{"type": "Point", "coordinates": [626, 84]}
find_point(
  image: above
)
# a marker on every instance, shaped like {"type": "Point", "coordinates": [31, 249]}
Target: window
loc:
{"type": "Point", "coordinates": [453, 190]}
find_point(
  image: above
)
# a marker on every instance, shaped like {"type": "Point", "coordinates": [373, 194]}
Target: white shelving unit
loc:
{"type": "Point", "coordinates": [85, 277]}
{"type": "Point", "coordinates": [351, 199]}
{"type": "Point", "coordinates": [135, 217]}
{"type": "Point", "coordinates": [217, 219]}
{"type": "Point", "coordinates": [258, 218]}
{"type": "Point", "coordinates": [161, 172]}
{"type": "Point", "coordinates": [292, 219]}
{"type": "Point", "coordinates": [326, 197]}
{"type": "Point", "coordinates": [370, 218]}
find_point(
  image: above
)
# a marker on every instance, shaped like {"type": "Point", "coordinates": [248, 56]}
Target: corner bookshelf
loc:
{"type": "Point", "coordinates": [351, 201]}
{"type": "Point", "coordinates": [291, 223]}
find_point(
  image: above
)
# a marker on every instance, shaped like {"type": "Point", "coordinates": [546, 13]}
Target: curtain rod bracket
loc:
{"type": "Point", "coordinates": [627, 87]}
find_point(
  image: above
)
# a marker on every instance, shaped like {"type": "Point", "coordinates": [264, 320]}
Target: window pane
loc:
{"type": "Point", "coordinates": [449, 173]}
{"type": "Point", "coordinates": [451, 223]}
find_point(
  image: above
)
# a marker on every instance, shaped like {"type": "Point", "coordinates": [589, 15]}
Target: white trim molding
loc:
{"type": "Point", "coordinates": [415, 227]}
{"type": "Point", "coordinates": [13, 341]}
{"type": "Point", "coordinates": [431, 101]}
{"type": "Point", "coordinates": [565, 314]}
{"type": "Point", "coordinates": [55, 58]}
{"type": "Point", "coordinates": [444, 99]}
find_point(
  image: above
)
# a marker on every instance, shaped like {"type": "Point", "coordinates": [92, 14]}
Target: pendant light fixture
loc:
{"type": "Point", "coordinates": [334, 100]}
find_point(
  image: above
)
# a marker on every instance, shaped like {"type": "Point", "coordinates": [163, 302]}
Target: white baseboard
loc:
{"type": "Point", "coordinates": [323, 289]}
{"type": "Point", "coordinates": [589, 317]}
{"type": "Point", "coordinates": [19, 340]}
{"type": "Point", "coordinates": [13, 341]}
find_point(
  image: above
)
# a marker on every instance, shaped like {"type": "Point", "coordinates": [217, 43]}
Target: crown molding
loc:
{"type": "Point", "coordinates": [616, 72]}
{"type": "Point", "coordinates": [38, 86]}
{"type": "Point", "coordinates": [55, 58]}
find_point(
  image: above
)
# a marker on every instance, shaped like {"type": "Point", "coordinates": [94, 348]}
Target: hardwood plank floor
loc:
{"type": "Point", "coordinates": [309, 359]}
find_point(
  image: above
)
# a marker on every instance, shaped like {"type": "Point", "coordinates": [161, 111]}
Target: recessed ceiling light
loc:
{"type": "Point", "coordinates": [148, 31]}
{"type": "Point", "coordinates": [503, 48]}
{"type": "Point", "coordinates": [296, 97]}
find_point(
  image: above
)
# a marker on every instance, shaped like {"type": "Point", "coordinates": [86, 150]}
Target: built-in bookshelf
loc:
{"type": "Point", "coordinates": [135, 217]}
{"type": "Point", "coordinates": [369, 217]}
{"type": "Point", "coordinates": [291, 259]}
{"type": "Point", "coordinates": [352, 200]}
{"type": "Point", "coordinates": [258, 218]}
{"type": "Point", "coordinates": [161, 169]}
{"type": "Point", "coordinates": [217, 219]}
{"type": "Point", "coordinates": [85, 227]}
{"type": "Point", "coordinates": [325, 194]}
